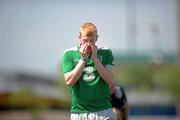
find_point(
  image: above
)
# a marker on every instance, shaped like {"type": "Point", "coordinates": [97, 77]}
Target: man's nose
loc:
{"type": "Point", "coordinates": [88, 43]}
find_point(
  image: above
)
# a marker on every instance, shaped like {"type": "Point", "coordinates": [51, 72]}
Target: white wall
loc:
{"type": "Point", "coordinates": [34, 34]}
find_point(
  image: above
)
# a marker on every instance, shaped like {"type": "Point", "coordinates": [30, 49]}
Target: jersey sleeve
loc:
{"type": "Point", "coordinates": [67, 62]}
{"type": "Point", "coordinates": [110, 58]}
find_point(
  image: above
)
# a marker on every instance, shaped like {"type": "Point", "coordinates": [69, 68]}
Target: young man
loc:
{"type": "Point", "coordinates": [88, 70]}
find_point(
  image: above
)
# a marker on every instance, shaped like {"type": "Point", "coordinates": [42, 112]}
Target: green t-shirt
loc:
{"type": "Point", "coordinates": [90, 93]}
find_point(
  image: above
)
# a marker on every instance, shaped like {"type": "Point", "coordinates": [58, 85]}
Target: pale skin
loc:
{"type": "Point", "coordinates": [105, 72]}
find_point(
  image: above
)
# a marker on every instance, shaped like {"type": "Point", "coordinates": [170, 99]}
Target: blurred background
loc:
{"type": "Point", "coordinates": [143, 35]}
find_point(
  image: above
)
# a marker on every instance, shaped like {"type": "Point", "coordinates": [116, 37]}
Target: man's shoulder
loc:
{"type": "Point", "coordinates": [69, 50]}
{"type": "Point", "coordinates": [105, 49]}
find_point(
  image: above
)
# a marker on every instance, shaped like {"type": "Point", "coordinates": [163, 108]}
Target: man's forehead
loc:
{"type": "Point", "coordinates": [88, 37]}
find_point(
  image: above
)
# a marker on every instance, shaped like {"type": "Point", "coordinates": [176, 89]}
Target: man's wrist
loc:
{"type": "Point", "coordinates": [83, 59]}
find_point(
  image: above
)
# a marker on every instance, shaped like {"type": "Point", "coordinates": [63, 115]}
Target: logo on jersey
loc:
{"type": "Point", "coordinates": [88, 75]}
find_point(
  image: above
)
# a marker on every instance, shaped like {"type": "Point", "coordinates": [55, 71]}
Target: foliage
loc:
{"type": "Point", "coordinates": [139, 75]}
{"type": "Point", "coordinates": [170, 79]}
{"type": "Point", "coordinates": [25, 98]}
{"type": "Point", "coordinates": [149, 77]}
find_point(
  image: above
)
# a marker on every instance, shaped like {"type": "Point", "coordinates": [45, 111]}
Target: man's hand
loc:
{"type": "Point", "coordinates": [85, 50]}
{"type": "Point", "coordinates": [94, 52]}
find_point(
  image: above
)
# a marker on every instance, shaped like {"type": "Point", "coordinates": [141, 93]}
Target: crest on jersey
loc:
{"type": "Point", "coordinates": [89, 75]}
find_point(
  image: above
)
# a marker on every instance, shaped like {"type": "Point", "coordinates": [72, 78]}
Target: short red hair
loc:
{"type": "Point", "coordinates": [88, 29]}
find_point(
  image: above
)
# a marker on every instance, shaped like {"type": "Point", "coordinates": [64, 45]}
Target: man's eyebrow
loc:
{"type": "Point", "coordinates": [88, 39]}
{"type": "Point", "coordinates": [92, 39]}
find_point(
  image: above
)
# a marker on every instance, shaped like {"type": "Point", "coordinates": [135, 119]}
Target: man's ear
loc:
{"type": "Point", "coordinates": [79, 36]}
{"type": "Point", "coordinates": [97, 37]}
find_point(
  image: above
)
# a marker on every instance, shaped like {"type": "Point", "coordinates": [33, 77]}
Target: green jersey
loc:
{"type": "Point", "coordinates": [90, 93]}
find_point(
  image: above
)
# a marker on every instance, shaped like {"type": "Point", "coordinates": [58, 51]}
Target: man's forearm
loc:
{"type": "Point", "coordinates": [73, 76]}
{"type": "Point", "coordinates": [106, 74]}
